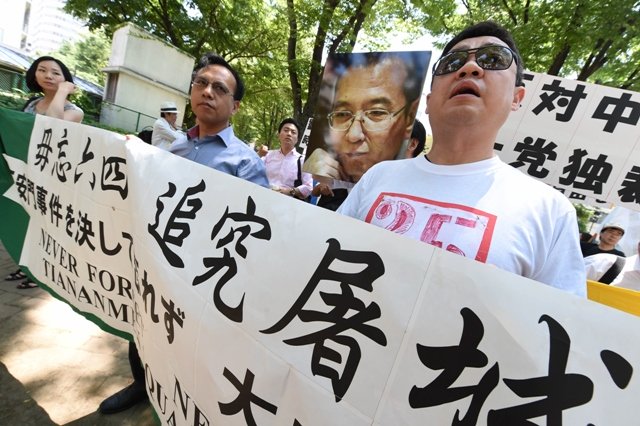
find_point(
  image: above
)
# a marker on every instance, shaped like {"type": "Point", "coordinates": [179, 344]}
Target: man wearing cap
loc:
{"type": "Point", "coordinates": [610, 235]}
{"type": "Point", "coordinates": [602, 261]}
{"type": "Point", "coordinates": [164, 129]}
{"type": "Point", "coordinates": [460, 196]}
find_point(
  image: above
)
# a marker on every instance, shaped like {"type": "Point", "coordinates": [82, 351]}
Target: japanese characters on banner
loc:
{"type": "Point", "coordinates": [252, 308]}
{"type": "Point", "coordinates": [75, 189]}
{"type": "Point", "coordinates": [579, 137]}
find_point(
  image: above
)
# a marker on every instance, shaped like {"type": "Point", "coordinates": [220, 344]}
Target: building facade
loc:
{"type": "Point", "coordinates": [38, 26]}
{"type": "Point", "coordinates": [143, 72]}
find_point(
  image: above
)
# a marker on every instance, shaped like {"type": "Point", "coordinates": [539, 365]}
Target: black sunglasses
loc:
{"type": "Point", "coordinates": [492, 58]}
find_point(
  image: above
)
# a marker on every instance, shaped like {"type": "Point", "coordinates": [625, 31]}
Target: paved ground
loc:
{"type": "Point", "coordinates": [55, 366]}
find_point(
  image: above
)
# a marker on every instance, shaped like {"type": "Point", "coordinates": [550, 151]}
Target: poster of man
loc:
{"type": "Point", "coordinates": [365, 112]}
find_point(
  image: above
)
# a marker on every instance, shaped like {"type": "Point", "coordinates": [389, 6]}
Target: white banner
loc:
{"type": "Point", "coordinates": [579, 137]}
{"type": "Point", "coordinates": [252, 308]}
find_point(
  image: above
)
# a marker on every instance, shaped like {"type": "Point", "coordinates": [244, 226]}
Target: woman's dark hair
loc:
{"type": "Point", "coordinates": [32, 83]}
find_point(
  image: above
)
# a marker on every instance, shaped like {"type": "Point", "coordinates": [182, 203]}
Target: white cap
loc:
{"type": "Point", "coordinates": [169, 106]}
{"type": "Point", "coordinates": [612, 225]}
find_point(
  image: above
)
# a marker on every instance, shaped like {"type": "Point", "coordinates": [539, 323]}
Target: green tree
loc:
{"type": "Point", "coordinates": [583, 213]}
{"type": "Point", "coordinates": [87, 57]}
{"type": "Point", "coordinates": [591, 40]}
{"type": "Point", "coordinates": [336, 27]}
{"type": "Point", "coordinates": [245, 32]}
{"type": "Point", "coordinates": [277, 45]}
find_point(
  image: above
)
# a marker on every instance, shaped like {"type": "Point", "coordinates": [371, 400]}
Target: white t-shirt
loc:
{"type": "Point", "coordinates": [486, 210]}
{"type": "Point", "coordinates": [597, 265]}
{"type": "Point", "coordinates": [630, 275]}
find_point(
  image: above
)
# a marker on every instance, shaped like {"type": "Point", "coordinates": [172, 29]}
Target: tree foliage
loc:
{"type": "Point", "coordinates": [590, 40]}
{"type": "Point", "coordinates": [337, 26]}
{"type": "Point", "coordinates": [277, 45]}
{"type": "Point", "coordinates": [244, 32]}
{"type": "Point", "coordinates": [583, 213]}
{"type": "Point", "coordinates": [87, 57]}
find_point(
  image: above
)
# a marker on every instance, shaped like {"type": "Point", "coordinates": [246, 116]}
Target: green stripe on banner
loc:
{"type": "Point", "coordinates": [15, 132]}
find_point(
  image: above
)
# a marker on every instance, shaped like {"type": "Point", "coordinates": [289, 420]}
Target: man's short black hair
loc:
{"type": "Point", "coordinates": [211, 58]}
{"type": "Point", "coordinates": [288, 121]}
{"type": "Point", "coordinates": [32, 83]}
{"type": "Point", "coordinates": [420, 134]}
{"type": "Point", "coordinates": [492, 29]}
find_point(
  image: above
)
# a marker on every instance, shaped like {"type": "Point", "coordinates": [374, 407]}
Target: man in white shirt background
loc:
{"type": "Point", "coordinates": [164, 128]}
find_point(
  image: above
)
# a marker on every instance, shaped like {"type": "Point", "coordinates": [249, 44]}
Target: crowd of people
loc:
{"type": "Point", "coordinates": [459, 196]}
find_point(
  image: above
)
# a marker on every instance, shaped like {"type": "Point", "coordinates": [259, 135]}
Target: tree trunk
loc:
{"type": "Point", "coordinates": [296, 90]}
{"type": "Point", "coordinates": [558, 61]}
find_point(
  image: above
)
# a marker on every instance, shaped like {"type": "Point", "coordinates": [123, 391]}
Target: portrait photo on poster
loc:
{"type": "Point", "coordinates": [365, 112]}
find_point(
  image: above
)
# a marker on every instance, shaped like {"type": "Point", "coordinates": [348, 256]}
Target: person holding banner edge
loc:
{"type": "Point", "coordinates": [52, 78]}
{"type": "Point", "coordinates": [216, 92]}
{"type": "Point", "coordinates": [461, 196]}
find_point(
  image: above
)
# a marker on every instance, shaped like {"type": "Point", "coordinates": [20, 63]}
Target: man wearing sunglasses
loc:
{"type": "Point", "coordinates": [461, 196]}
